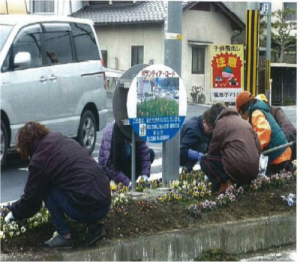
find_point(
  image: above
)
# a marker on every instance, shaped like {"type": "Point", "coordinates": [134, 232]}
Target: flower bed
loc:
{"type": "Point", "coordinates": [188, 203]}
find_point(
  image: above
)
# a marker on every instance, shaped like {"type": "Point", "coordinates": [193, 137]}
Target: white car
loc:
{"type": "Point", "coordinates": [51, 72]}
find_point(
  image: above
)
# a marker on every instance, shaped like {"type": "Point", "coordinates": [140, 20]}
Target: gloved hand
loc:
{"type": "Point", "coordinates": [9, 217]}
{"type": "Point", "coordinates": [145, 177]}
{"type": "Point", "coordinates": [194, 155]}
{"type": "Point", "coordinates": [200, 156]}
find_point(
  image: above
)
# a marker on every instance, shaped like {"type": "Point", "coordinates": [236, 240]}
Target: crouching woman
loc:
{"type": "Point", "coordinates": [67, 179]}
{"type": "Point", "coordinates": [233, 154]}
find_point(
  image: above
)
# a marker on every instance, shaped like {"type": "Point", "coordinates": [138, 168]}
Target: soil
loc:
{"type": "Point", "coordinates": [150, 217]}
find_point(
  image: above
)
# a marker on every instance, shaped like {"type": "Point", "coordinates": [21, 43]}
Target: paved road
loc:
{"type": "Point", "coordinates": [13, 178]}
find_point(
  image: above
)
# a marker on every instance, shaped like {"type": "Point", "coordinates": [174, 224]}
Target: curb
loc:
{"type": "Point", "coordinates": [239, 237]}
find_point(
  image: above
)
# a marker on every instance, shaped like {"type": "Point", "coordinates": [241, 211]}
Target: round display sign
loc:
{"type": "Point", "coordinates": [156, 103]}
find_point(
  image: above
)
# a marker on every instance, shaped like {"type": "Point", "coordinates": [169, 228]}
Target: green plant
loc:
{"type": "Point", "coordinates": [157, 107]}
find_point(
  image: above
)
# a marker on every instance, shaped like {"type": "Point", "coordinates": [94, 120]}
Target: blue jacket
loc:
{"type": "Point", "coordinates": [277, 135]}
{"type": "Point", "coordinates": [192, 136]}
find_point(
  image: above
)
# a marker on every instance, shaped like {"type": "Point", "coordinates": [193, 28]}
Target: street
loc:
{"type": "Point", "coordinates": [14, 176]}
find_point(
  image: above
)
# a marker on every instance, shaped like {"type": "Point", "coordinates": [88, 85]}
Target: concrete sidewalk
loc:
{"type": "Point", "coordinates": [182, 245]}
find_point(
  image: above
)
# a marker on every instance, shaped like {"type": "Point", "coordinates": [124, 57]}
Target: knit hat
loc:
{"type": "Point", "coordinates": [242, 98]}
{"type": "Point", "coordinates": [262, 97]}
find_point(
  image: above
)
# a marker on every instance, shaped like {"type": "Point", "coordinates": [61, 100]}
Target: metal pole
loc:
{"type": "Point", "coordinates": [278, 147]}
{"type": "Point", "coordinates": [270, 100]}
{"type": "Point", "coordinates": [172, 58]}
{"type": "Point", "coordinates": [133, 161]}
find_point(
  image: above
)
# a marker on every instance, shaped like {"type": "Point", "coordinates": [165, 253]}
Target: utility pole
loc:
{"type": "Point", "coordinates": [172, 59]}
{"type": "Point", "coordinates": [268, 53]}
{"type": "Point", "coordinates": [252, 43]}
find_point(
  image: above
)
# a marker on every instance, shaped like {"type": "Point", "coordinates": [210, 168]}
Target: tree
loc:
{"type": "Point", "coordinates": [284, 37]}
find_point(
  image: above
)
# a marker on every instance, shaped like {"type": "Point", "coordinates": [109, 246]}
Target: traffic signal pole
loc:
{"type": "Point", "coordinates": [268, 55]}
{"type": "Point", "coordinates": [252, 44]}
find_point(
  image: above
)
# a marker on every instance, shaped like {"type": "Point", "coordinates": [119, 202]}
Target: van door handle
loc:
{"type": "Point", "coordinates": [43, 79]}
{"type": "Point", "coordinates": [52, 77]}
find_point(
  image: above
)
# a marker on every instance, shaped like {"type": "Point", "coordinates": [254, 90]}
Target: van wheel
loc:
{"type": "Point", "coordinates": [4, 144]}
{"type": "Point", "coordinates": [87, 131]}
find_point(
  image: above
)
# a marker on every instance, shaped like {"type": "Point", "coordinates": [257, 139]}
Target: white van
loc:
{"type": "Point", "coordinates": [51, 72]}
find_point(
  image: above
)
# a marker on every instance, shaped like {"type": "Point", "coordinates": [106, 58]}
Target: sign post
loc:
{"type": "Point", "coordinates": [157, 104]}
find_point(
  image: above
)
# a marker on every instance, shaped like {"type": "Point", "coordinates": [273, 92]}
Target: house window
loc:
{"type": "Point", "coordinates": [137, 55]}
{"type": "Point", "coordinates": [292, 6]}
{"type": "Point", "coordinates": [43, 6]}
{"type": "Point", "coordinates": [85, 42]}
{"type": "Point", "coordinates": [197, 60]}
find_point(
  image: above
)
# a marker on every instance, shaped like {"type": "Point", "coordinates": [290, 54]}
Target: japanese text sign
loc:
{"type": "Point", "coordinates": [227, 72]}
{"type": "Point", "coordinates": [156, 103]}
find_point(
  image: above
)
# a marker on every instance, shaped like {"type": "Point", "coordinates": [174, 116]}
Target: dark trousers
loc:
{"type": "Point", "coordinates": [213, 168]}
{"type": "Point", "coordinates": [58, 205]}
{"type": "Point", "coordinates": [126, 161]}
{"type": "Point", "coordinates": [276, 168]}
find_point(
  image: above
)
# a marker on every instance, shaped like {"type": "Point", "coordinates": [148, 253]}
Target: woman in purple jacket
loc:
{"type": "Point", "coordinates": [67, 179]}
{"type": "Point", "coordinates": [115, 156]}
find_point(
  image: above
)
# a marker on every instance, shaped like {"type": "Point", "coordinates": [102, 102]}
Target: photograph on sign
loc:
{"type": "Point", "coordinates": [157, 96]}
{"type": "Point", "coordinates": [156, 103]}
{"type": "Point", "coordinates": [227, 72]}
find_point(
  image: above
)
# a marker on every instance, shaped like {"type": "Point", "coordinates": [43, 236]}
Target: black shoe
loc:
{"type": "Point", "coordinates": [93, 234]}
{"type": "Point", "coordinates": [57, 241]}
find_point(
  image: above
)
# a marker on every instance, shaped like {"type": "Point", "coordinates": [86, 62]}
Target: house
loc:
{"type": "Point", "coordinates": [132, 32]}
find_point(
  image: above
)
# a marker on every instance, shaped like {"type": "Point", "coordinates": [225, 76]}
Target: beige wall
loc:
{"type": "Point", "coordinates": [197, 26]}
{"type": "Point", "coordinates": [117, 40]}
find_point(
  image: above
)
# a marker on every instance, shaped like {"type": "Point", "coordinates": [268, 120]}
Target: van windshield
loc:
{"type": "Point", "coordinates": [4, 33]}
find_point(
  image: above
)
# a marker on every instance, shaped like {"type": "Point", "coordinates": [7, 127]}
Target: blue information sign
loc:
{"type": "Point", "coordinates": [156, 103]}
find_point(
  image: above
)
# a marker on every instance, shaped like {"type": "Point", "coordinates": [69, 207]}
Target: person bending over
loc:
{"type": "Point", "coordinates": [270, 135]}
{"type": "Point", "coordinates": [115, 156]}
{"type": "Point", "coordinates": [233, 153]}
{"type": "Point", "coordinates": [285, 124]}
{"type": "Point", "coordinates": [67, 179]}
{"type": "Point", "coordinates": [195, 136]}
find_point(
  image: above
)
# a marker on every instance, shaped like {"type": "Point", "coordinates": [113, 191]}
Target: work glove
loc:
{"type": "Point", "coordinates": [145, 177]}
{"type": "Point", "coordinates": [194, 155]}
{"type": "Point", "coordinates": [9, 217]}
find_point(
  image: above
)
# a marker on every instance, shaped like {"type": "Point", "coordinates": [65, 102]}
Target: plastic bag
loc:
{"type": "Point", "coordinates": [263, 164]}
{"type": "Point", "coordinates": [290, 199]}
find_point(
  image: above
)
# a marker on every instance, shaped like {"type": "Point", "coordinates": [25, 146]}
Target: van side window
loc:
{"type": "Point", "coordinates": [30, 43]}
{"type": "Point", "coordinates": [85, 42]}
{"type": "Point", "coordinates": [58, 47]}
{"type": "Point", "coordinates": [28, 40]}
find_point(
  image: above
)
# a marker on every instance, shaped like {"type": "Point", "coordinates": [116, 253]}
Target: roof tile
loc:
{"type": "Point", "coordinates": [141, 11]}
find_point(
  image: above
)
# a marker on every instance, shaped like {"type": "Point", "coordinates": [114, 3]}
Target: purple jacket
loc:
{"type": "Point", "coordinates": [60, 162]}
{"type": "Point", "coordinates": [142, 155]}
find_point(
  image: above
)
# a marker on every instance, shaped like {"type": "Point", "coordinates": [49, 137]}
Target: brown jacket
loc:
{"type": "Point", "coordinates": [235, 140]}
{"type": "Point", "coordinates": [283, 121]}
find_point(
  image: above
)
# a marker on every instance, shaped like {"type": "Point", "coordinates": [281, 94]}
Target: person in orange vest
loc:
{"type": "Point", "coordinates": [285, 124]}
{"type": "Point", "coordinates": [269, 132]}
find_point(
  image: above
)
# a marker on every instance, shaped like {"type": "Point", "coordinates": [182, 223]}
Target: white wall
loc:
{"type": "Point", "coordinates": [63, 7]}
{"type": "Point", "coordinates": [117, 40]}
{"type": "Point", "coordinates": [203, 27]}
